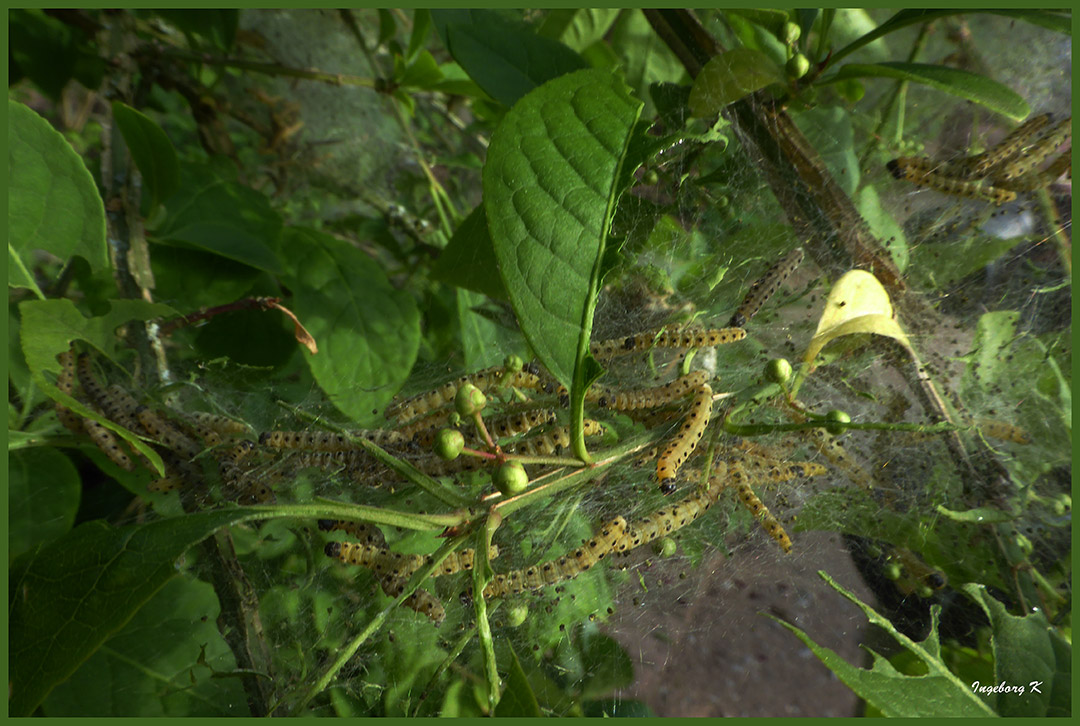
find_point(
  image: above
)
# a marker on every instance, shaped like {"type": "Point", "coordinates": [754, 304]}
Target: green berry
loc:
{"type": "Point", "coordinates": [852, 90]}
{"type": "Point", "coordinates": [835, 422]}
{"type": "Point", "coordinates": [516, 615]}
{"type": "Point", "coordinates": [925, 592]}
{"type": "Point", "coordinates": [778, 370]}
{"type": "Point", "coordinates": [469, 400]}
{"type": "Point", "coordinates": [651, 177]}
{"type": "Point", "coordinates": [513, 363]}
{"type": "Point", "coordinates": [665, 547]}
{"type": "Point", "coordinates": [798, 66]}
{"type": "Point", "coordinates": [892, 571]}
{"type": "Point", "coordinates": [790, 34]}
{"type": "Point", "coordinates": [449, 443]}
{"type": "Point", "coordinates": [1024, 544]}
{"type": "Point", "coordinates": [511, 479]}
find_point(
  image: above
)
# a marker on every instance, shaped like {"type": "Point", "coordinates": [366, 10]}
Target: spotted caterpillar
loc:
{"type": "Point", "coordinates": [762, 514]}
{"type": "Point", "coordinates": [519, 423]}
{"type": "Point", "coordinates": [653, 397]}
{"type": "Point", "coordinates": [485, 380]}
{"type": "Point", "coordinates": [552, 443]}
{"type": "Point", "coordinates": [981, 165]}
{"type": "Point", "coordinates": [666, 339]}
{"type": "Point", "coordinates": [765, 287]}
{"type": "Point", "coordinates": [927, 173]}
{"type": "Point", "coordinates": [564, 568]}
{"type": "Point", "coordinates": [384, 562]}
{"type": "Point", "coordinates": [686, 439]}
{"type": "Point", "coordinates": [670, 519]}
{"type": "Point", "coordinates": [65, 382]}
{"type": "Point", "coordinates": [1027, 159]}
{"type": "Point", "coordinates": [330, 441]}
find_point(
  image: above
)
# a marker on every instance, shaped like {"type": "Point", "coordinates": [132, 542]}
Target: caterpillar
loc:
{"type": "Point", "coordinates": [519, 423]}
{"type": "Point", "coordinates": [666, 520]}
{"type": "Point", "coordinates": [422, 430]}
{"type": "Point", "coordinates": [330, 441]}
{"type": "Point", "coordinates": [838, 456]}
{"type": "Point", "coordinates": [927, 173]}
{"type": "Point", "coordinates": [166, 433]}
{"type": "Point", "coordinates": [765, 287]}
{"type": "Point", "coordinates": [982, 164]}
{"type": "Point", "coordinates": [759, 469]}
{"type": "Point", "coordinates": [666, 338]}
{"type": "Point", "coordinates": [686, 439]}
{"type": "Point", "coordinates": [367, 534]}
{"type": "Point", "coordinates": [1039, 179]}
{"type": "Point", "coordinates": [107, 442]}
{"type": "Point", "coordinates": [257, 492]}
{"type": "Point", "coordinates": [222, 425]}
{"type": "Point", "coordinates": [381, 561]}
{"type": "Point", "coordinates": [653, 397]}
{"type": "Point", "coordinates": [408, 409]}
{"type": "Point", "coordinates": [165, 484]}
{"type": "Point", "coordinates": [1003, 431]}
{"type": "Point", "coordinates": [65, 382]}
{"type": "Point", "coordinates": [356, 465]}
{"type": "Point", "coordinates": [564, 568]}
{"type": "Point", "coordinates": [552, 443]}
{"type": "Point", "coordinates": [421, 600]}
{"type": "Point", "coordinates": [114, 402]}
{"type": "Point", "coordinates": [762, 514]}
{"type": "Point", "coordinates": [1042, 149]}
{"type": "Point", "coordinates": [370, 535]}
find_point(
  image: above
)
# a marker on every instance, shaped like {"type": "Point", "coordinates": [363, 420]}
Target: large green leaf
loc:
{"type": "Point", "coordinates": [53, 203]}
{"type": "Point", "coordinates": [223, 217]}
{"type": "Point", "coordinates": [965, 84]}
{"type": "Point", "coordinates": [578, 28]}
{"type": "Point", "coordinates": [70, 596]}
{"type": "Point", "coordinates": [368, 332]}
{"type": "Point", "coordinates": [937, 693]}
{"type": "Point", "coordinates": [551, 183]}
{"type": "Point", "coordinates": [468, 261]}
{"type": "Point", "coordinates": [43, 497]}
{"type": "Point", "coordinates": [1027, 652]}
{"type": "Point", "coordinates": [730, 76]}
{"type": "Point", "coordinates": [151, 150]}
{"type": "Point", "coordinates": [506, 59]}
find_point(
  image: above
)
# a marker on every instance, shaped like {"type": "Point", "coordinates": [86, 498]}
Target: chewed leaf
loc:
{"type": "Point", "coordinates": [857, 303]}
{"type": "Point", "coordinates": [731, 76]}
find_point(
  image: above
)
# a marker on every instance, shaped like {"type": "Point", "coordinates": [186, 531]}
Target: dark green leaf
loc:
{"type": "Point", "coordinates": [965, 84]}
{"type": "Point", "coordinates": [645, 58]}
{"type": "Point", "coordinates": [771, 19]}
{"type": "Point", "coordinates": [422, 73]}
{"type": "Point", "coordinates": [730, 76]}
{"type": "Point", "coordinates": [578, 28]}
{"type": "Point", "coordinates": [368, 332]}
{"type": "Point", "coordinates": [387, 26]}
{"type": "Point", "coordinates": [468, 261]}
{"type": "Point", "coordinates": [169, 660]}
{"type": "Point", "coordinates": [151, 150]}
{"type": "Point", "coordinates": [507, 60]}
{"type": "Point", "coordinates": [217, 26]}
{"type": "Point", "coordinates": [231, 220]}
{"type": "Point", "coordinates": [50, 53]}
{"type": "Point", "coordinates": [607, 666]}
{"type": "Point", "coordinates": [53, 202]}
{"type": "Point", "coordinates": [550, 190]}
{"type": "Point", "coordinates": [421, 30]}
{"type": "Point", "coordinates": [70, 596]}
{"type": "Point", "coordinates": [43, 496]}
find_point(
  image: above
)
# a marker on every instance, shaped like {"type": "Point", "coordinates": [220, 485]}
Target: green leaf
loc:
{"type": "Point", "coordinates": [607, 666]}
{"type": "Point", "coordinates": [43, 497]}
{"type": "Point", "coordinates": [550, 190]}
{"type": "Point", "coordinates": [730, 76]}
{"type": "Point", "coordinates": [646, 59]}
{"type": "Point", "coordinates": [468, 261]}
{"type": "Point", "coordinates": [486, 343]}
{"type": "Point", "coordinates": [169, 660]}
{"type": "Point", "coordinates": [71, 595]}
{"type": "Point", "coordinates": [53, 203]}
{"type": "Point", "coordinates": [1027, 650]}
{"type": "Point", "coordinates": [222, 217]}
{"type": "Point", "coordinates": [368, 332]}
{"type": "Point", "coordinates": [421, 31]}
{"type": "Point", "coordinates": [938, 693]}
{"type": "Point", "coordinates": [965, 84]}
{"type": "Point", "coordinates": [518, 699]}
{"type": "Point", "coordinates": [507, 60]}
{"type": "Point", "coordinates": [769, 18]}
{"type": "Point", "coordinates": [217, 26]}
{"type": "Point", "coordinates": [51, 53]}
{"type": "Point", "coordinates": [578, 28]}
{"type": "Point", "coordinates": [151, 150]}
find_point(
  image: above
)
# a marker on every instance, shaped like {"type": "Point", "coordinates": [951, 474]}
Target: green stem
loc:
{"type": "Point", "coordinates": [481, 577]}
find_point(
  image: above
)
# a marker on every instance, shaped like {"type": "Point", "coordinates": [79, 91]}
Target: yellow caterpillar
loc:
{"type": "Point", "coordinates": [167, 434]}
{"type": "Point", "coordinates": [65, 382]}
{"type": "Point", "coordinates": [653, 397]}
{"type": "Point", "coordinates": [553, 442]}
{"type": "Point", "coordinates": [519, 423]}
{"type": "Point", "coordinates": [1029, 158]}
{"type": "Point", "coordinates": [981, 165]}
{"type": "Point", "coordinates": [762, 514]}
{"type": "Point", "coordinates": [686, 439]}
{"type": "Point", "coordinates": [765, 287]}
{"type": "Point", "coordinates": [485, 380]}
{"type": "Point", "coordinates": [330, 441]}
{"type": "Point", "coordinates": [670, 519]}
{"type": "Point", "coordinates": [927, 173]}
{"type": "Point", "coordinates": [421, 600]}
{"type": "Point", "coordinates": [666, 338]}
{"type": "Point", "coordinates": [564, 568]}
{"type": "Point", "coordinates": [107, 442]}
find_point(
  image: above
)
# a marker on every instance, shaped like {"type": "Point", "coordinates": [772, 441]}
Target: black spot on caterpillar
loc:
{"type": "Point", "coordinates": [1039, 179]}
{"type": "Point", "coordinates": [653, 397]}
{"type": "Point", "coordinates": [553, 442]}
{"type": "Point", "coordinates": [331, 441]}
{"type": "Point", "coordinates": [928, 173]}
{"type": "Point", "coordinates": [379, 560]}
{"type": "Point", "coordinates": [666, 338]}
{"type": "Point", "coordinates": [765, 287]}
{"type": "Point", "coordinates": [485, 380]}
{"type": "Point", "coordinates": [564, 568]}
{"type": "Point", "coordinates": [686, 439]}
{"type": "Point", "coordinates": [757, 469]}
{"type": "Point", "coordinates": [519, 423]}
{"type": "Point", "coordinates": [115, 406]}
{"type": "Point", "coordinates": [421, 600]}
{"type": "Point", "coordinates": [223, 425]}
